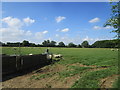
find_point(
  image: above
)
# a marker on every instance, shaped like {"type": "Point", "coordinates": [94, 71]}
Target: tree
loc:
{"type": "Point", "coordinates": [61, 44]}
{"type": "Point", "coordinates": [52, 43]}
{"type": "Point", "coordinates": [2, 44]}
{"type": "Point", "coordinates": [106, 44]}
{"type": "Point", "coordinates": [25, 43]}
{"type": "Point", "coordinates": [71, 45]}
{"type": "Point", "coordinates": [85, 44]}
{"type": "Point", "coordinates": [79, 46]}
{"type": "Point", "coordinates": [114, 20]}
{"type": "Point", "coordinates": [46, 43]}
{"type": "Point", "coordinates": [32, 45]}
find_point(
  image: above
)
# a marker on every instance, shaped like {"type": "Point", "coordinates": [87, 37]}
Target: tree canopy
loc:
{"type": "Point", "coordinates": [48, 43]}
{"type": "Point", "coordinates": [71, 45]}
{"type": "Point", "coordinates": [61, 44]}
{"type": "Point", "coordinates": [114, 20]}
{"type": "Point", "coordinates": [25, 43]}
{"type": "Point", "coordinates": [106, 44]}
{"type": "Point", "coordinates": [85, 44]}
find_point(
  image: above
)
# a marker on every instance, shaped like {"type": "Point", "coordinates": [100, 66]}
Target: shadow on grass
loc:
{"type": "Point", "coordinates": [26, 71]}
{"type": "Point", "coordinates": [20, 73]}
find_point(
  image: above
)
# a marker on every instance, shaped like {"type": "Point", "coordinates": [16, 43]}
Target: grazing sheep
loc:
{"type": "Point", "coordinates": [117, 49]}
{"type": "Point", "coordinates": [49, 56]}
{"type": "Point", "coordinates": [57, 56]}
{"type": "Point", "coordinates": [112, 49]}
{"type": "Point", "coordinates": [31, 54]}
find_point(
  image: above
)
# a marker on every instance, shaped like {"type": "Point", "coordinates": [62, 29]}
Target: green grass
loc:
{"type": "Point", "coordinates": [86, 56]}
{"type": "Point", "coordinates": [116, 83]}
{"type": "Point", "coordinates": [75, 70]}
{"type": "Point", "coordinates": [91, 79]}
{"type": "Point", "coordinates": [24, 50]}
{"type": "Point", "coordinates": [38, 77]}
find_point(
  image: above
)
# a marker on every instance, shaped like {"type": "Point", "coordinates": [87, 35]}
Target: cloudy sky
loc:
{"type": "Point", "coordinates": [62, 21]}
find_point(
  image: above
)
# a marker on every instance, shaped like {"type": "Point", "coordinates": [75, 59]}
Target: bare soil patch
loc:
{"type": "Point", "coordinates": [108, 81]}
{"type": "Point", "coordinates": [81, 65]}
{"type": "Point", "coordinates": [93, 67]}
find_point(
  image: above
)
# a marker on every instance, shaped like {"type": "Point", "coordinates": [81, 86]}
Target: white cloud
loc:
{"type": "Point", "coordinates": [44, 32]}
{"type": "Point", "coordinates": [40, 35]}
{"type": "Point", "coordinates": [13, 34]}
{"type": "Point", "coordinates": [56, 35]}
{"type": "Point", "coordinates": [66, 39]}
{"type": "Point", "coordinates": [28, 33]}
{"type": "Point", "coordinates": [59, 18]}
{"type": "Point", "coordinates": [12, 22]}
{"type": "Point", "coordinates": [87, 39]}
{"type": "Point", "coordinates": [49, 39]}
{"type": "Point", "coordinates": [94, 20]}
{"type": "Point", "coordinates": [28, 21]}
{"type": "Point", "coordinates": [11, 30]}
{"type": "Point", "coordinates": [65, 30]}
{"type": "Point", "coordinates": [98, 27]}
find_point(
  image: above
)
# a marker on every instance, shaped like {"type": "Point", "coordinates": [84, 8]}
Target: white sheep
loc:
{"type": "Point", "coordinates": [57, 56]}
{"type": "Point", "coordinates": [30, 54]}
{"type": "Point", "coordinates": [112, 49]}
{"type": "Point", "coordinates": [49, 56]}
{"type": "Point", "coordinates": [117, 49]}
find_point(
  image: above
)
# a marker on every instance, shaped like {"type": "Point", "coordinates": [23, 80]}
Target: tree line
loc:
{"type": "Point", "coordinates": [47, 43]}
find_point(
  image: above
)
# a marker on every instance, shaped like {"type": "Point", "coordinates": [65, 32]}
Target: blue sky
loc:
{"type": "Point", "coordinates": [67, 22]}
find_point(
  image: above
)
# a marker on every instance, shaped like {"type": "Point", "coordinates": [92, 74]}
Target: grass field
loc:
{"type": "Point", "coordinates": [80, 68]}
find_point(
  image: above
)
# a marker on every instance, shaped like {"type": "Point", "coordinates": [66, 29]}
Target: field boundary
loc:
{"type": "Point", "coordinates": [12, 64]}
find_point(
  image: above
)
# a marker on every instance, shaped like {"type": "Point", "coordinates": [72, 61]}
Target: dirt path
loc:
{"type": "Point", "coordinates": [93, 66]}
{"type": "Point", "coordinates": [81, 65]}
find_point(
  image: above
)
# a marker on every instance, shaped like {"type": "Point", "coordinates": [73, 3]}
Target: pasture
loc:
{"type": "Point", "coordinates": [80, 68]}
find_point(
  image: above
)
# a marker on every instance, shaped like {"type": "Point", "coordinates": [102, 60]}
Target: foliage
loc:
{"type": "Point", "coordinates": [25, 43]}
{"type": "Point", "coordinates": [48, 43]}
{"type": "Point", "coordinates": [71, 45]}
{"type": "Point", "coordinates": [61, 44]}
{"type": "Point", "coordinates": [106, 44]}
{"type": "Point", "coordinates": [79, 46]}
{"type": "Point", "coordinates": [85, 44]}
{"type": "Point", "coordinates": [52, 43]}
{"type": "Point", "coordinates": [114, 20]}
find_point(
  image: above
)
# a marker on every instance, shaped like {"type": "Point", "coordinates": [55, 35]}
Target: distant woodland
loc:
{"type": "Point", "coordinates": [47, 43]}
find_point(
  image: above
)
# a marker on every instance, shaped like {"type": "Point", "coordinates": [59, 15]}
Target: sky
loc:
{"type": "Point", "coordinates": [59, 21]}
